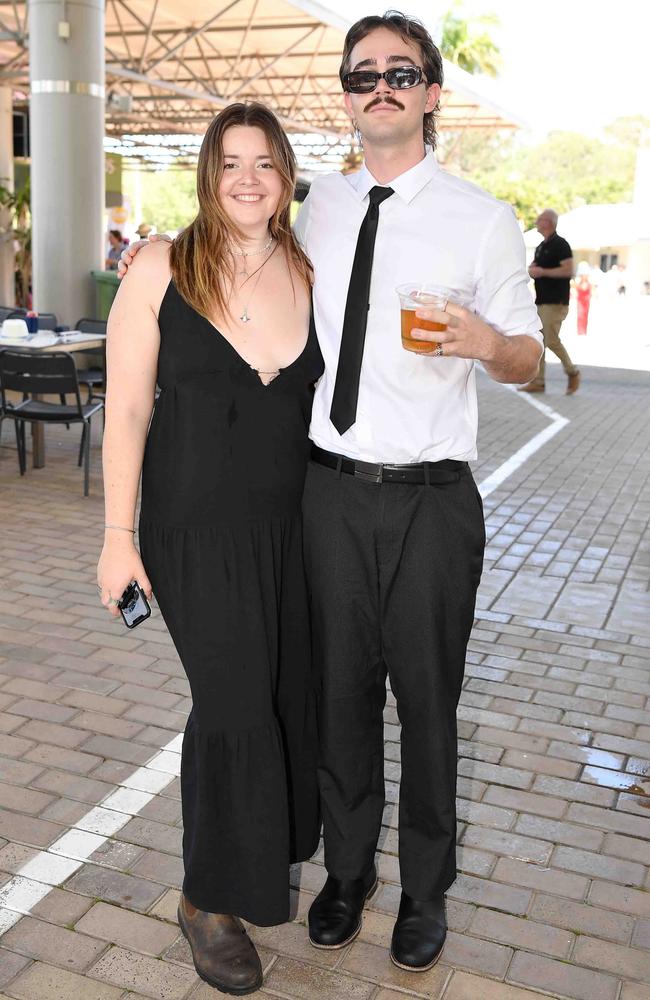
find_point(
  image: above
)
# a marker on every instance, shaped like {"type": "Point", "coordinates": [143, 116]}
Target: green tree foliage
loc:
{"type": "Point", "coordinates": [468, 42]}
{"type": "Point", "coordinates": [582, 170]}
{"type": "Point", "coordinates": [168, 197]}
{"type": "Point", "coordinates": [564, 171]}
{"type": "Point", "coordinates": [629, 130]}
{"type": "Point", "coordinates": [19, 228]}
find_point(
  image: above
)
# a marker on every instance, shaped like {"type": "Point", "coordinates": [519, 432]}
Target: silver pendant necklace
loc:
{"type": "Point", "coordinates": [245, 318]}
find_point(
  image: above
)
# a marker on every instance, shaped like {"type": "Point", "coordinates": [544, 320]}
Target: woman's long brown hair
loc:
{"type": "Point", "coordinates": [201, 264]}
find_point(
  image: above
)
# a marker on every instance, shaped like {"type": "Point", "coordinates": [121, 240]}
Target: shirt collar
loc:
{"type": "Point", "coordinates": [407, 185]}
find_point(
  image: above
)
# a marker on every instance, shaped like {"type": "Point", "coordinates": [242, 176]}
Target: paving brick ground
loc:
{"type": "Point", "coordinates": [553, 896]}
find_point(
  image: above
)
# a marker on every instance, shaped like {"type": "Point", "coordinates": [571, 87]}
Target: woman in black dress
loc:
{"type": "Point", "coordinates": [221, 320]}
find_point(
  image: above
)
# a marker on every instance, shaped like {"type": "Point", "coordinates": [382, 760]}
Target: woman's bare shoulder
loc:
{"type": "Point", "coordinates": [146, 281]}
{"type": "Point", "coordinates": [151, 261]}
{"type": "Point", "coordinates": [149, 274]}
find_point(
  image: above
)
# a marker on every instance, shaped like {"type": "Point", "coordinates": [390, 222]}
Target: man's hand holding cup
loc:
{"type": "Point", "coordinates": [458, 333]}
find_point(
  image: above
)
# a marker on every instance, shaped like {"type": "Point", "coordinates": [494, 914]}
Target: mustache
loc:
{"type": "Point", "coordinates": [383, 100]}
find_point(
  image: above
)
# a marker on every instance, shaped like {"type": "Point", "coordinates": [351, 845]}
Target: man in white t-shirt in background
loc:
{"type": "Point", "coordinates": [393, 522]}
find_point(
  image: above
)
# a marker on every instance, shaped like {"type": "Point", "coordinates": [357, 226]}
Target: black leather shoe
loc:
{"type": "Point", "coordinates": [335, 914]}
{"type": "Point", "coordinates": [419, 933]}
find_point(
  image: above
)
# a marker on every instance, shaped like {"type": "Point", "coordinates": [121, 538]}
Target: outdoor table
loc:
{"type": "Point", "coordinates": [47, 342]}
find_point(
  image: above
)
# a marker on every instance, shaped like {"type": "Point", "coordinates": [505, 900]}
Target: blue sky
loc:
{"type": "Point", "coordinates": [573, 64]}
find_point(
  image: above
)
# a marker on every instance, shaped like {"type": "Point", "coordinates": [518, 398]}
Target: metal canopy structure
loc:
{"type": "Point", "coordinates": [171, 65]}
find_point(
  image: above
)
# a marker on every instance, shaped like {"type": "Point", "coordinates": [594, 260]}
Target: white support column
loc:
{"type": "Point", "coordinates": [67, 155]}
{"type": "Point", "coordinates": [7, 283]}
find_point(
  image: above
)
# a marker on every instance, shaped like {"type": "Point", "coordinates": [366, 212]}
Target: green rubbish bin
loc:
{"type": "Point", "coordinates": [106, 285]}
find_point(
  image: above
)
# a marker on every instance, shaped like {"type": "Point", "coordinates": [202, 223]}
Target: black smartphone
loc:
{"type": "Point", "coordinates": [134, 606]}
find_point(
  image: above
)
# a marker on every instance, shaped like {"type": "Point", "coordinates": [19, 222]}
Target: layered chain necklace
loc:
{"type": "Point", "coordinates": [245, 317]}
{"type": "Point", "coordinates": [237, 252]}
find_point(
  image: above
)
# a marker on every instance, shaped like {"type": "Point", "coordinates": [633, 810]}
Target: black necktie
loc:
{"type": "Point", "coordinates": [346, 388]}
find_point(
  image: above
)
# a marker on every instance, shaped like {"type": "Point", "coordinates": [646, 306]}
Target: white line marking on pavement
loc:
{"type": "Point", "coordinates": [49, 868]}
{"type": "Point", "coordinates": [506, 469]}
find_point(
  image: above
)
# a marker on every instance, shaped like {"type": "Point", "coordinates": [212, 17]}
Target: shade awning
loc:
{"type": "Point", "coordinates": [170, 66]}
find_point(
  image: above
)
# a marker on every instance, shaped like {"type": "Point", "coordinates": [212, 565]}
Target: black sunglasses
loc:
{"type": "Point", "coordinates": [364, 81]}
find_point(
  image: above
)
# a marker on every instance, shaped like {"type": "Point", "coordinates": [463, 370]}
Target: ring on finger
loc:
{"type": "Point", "coordinates": [113, 602]}
{"type": "Point", "coordinates": [438, 351]}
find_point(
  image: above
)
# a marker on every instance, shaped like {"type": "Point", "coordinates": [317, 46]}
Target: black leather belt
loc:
{"type": "Point", "coordinates": [447, 471]}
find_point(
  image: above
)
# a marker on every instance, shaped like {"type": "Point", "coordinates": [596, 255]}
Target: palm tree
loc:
{"type": "Point", "coordinates": [469, 42]}
{"type": "Point", "coordinates": [17, 206]}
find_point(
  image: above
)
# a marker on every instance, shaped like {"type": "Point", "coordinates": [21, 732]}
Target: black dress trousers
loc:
{"type": "Point", "coordinates": [393, 571]}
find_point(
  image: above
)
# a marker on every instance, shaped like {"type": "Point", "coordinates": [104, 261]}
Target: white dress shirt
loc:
{"type": "Point", "coordinates": [435, 228]}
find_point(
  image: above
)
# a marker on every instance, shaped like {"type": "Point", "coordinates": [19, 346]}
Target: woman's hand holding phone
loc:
{"type": "Point", "coordinates": [119, 564]}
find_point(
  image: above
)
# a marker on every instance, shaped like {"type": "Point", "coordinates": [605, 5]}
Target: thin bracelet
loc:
{"type": "Point", "coordinates": [118, 527]}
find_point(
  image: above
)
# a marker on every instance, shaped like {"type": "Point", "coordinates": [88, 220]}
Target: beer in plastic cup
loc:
{"type": "Point", "coordinates": [413, 297]}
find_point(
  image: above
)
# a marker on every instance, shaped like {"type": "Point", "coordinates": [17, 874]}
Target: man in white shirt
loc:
{"type": "Point", "coordinates": [393, 522]}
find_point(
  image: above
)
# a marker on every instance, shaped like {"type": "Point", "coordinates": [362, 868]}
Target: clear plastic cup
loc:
{"type": "Point", "coordinates": [415, 296]}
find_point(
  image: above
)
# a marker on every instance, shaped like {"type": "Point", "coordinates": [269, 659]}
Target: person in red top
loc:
{"type": "Point", "coordinates": [583, 294]}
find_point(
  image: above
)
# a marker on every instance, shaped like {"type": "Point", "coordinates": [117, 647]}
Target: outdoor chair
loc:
{"type": "Point", "coordinates": [34, 375]}
{"type": "Point", "coordinates": [92, 377]}
{"type": "Point", "coordinates": [46, 321]}
{"type": "Point", "coordinates": [11, 311]}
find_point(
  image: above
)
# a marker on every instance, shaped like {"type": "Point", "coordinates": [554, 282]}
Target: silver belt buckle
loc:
{"type": "Point", "coordinates": [370, 472]}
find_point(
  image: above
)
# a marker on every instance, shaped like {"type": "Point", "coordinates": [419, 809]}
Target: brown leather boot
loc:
{"type": "Point", "coordinates": [224, 955]}
{"type": "Point", "coordinates": [573, 383]}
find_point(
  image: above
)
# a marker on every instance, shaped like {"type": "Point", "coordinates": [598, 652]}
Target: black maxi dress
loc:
{"type": "Point", "coordinates": [221, 540]}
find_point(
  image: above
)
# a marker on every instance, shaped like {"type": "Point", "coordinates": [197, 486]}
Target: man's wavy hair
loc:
{"type": "Point", "coordinates": [411, 30]}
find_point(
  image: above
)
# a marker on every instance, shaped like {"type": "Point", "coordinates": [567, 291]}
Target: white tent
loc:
{"type": "Point", "coordinates": [592, 227]}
